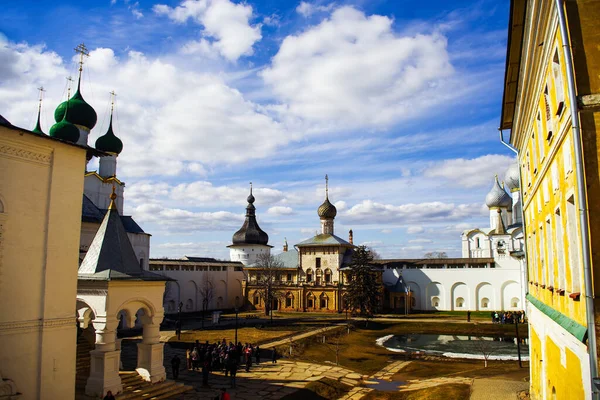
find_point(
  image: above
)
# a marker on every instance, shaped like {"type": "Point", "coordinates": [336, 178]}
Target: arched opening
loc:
{"type": "Point", "coordinates": [310, 301]}
{"type": "Point", "coordinates": [514, 302]}
{"type": "Point", "coordinates": [289, 300]}
{"type": "Point", "coordinates": [327, 275]}
{"type": "Point", "coordinates": [435, 302]}
{"type": "Point", "coordinates": [189, 305]}
{"type": "Point", "coordinates": [323, 301]}
{"type": "Point", "coordinates": [256, 299]}
{"type": "Point", "coordinates": [485, 303]}
{"type": "Point", "coordinates": [460, 302]}
{"type": "Point", "coordinates": [319, 274]}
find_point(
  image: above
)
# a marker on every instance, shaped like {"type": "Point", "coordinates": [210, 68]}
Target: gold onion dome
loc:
{"type": "Point", "coordinates": [327, 210]}
{"type": "Point", "coordinates": [109, 142]}
{"type": "Point", "coordinates": [80, 112]}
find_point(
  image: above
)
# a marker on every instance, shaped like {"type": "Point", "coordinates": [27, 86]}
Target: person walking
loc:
{"type": "Point", "coordinates": [233, 372]}
{"type": "Point", "coordinates": [468, 316]}
{"type": "Point", "coordinates": [188, 358]}
{"type": "Point", "coordinates": [205, 367]}
{"type": "Point", "coordinates": [257, 354]}
{"type": "Point", "coordinates": [175, 361]}
{"type": "Point", "coordinates": [274, 355]}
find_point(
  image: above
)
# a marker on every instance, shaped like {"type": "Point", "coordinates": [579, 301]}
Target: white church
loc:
{"type": "Point", "coordinates": [490, 274]}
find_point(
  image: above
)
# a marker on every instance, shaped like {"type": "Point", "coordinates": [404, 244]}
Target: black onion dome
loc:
{"type": "Point", "coordinates": [327, 210]}
{"type": "Point", "coordinates": [250, 232]}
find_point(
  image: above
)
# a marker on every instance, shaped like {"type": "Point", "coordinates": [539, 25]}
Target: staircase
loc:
{"type": "Point", "coordinates": [134, 386]}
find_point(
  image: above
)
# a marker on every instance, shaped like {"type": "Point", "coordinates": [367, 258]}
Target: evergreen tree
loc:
{"type": "Point", "coordinates": [364, 288]}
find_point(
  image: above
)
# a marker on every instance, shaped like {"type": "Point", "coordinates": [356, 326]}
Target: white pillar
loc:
{"type": "Point", "coordinates": [108, 166]}
{"type": "Point", "coordinates": [105, 361]}
{"type": "Point", "coordinates": [151, 351]}
{"type": "Point", "coordinates": [83, 135]}
{"type": "Point", "coordinates": [327, 226]}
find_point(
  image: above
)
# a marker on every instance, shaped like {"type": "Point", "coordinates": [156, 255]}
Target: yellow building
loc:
{"type": "Point", "coordinates": [41, 183]}
{"type": "Point", "coordinates": [550, 107]}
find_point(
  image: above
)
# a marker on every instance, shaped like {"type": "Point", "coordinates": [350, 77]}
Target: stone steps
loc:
{"type": "Point", "coordinates": [149, 391]}
{"type": "Point", "coordinates": [178, 390]}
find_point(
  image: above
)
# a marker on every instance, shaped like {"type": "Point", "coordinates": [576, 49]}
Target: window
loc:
{"type": "Point", "coordinates": [540, 137]}
{"type": "Point", "coordinates": [559, 89]}
{"type": "Point", "coordinates": [435, 301]}
{"type": "Point", "coordinates": [545, 191]}
{"type": "Point", "coordinates": [558, 242]}
{"type": "Point", "coordinates": [514, 302]}
{"type": "Point", "coordinates": [256, 300]}
{"type": "Point", "coordinates": [484, 302]}
{"type": "Point", "coordinates": [141, 263]}
{"type": "Point", "coordinates": [574, 251]}
{"type": "Point", "coordinates": [310, 303]}
{"type": "Point", "coordinates": [328, 276]}
{"type": "Point", "coordinates": [318, 262]}
{"type": "Point", "coordinates": [477, 243]}
{"type": "Point", "coordinates": [460, 302]}
{"type": "Point", "coordinates": [542, 253]}
{"type": "Point", "coordinates": [309, 275]}
{"type": "Point", "coordinates": [289, 277]}
{"type": "Point", "coordinates": [555, 183]}
{"type": "Point", "coordinates": [566, 150]}
{"type": "Point", "coordinates": [323, 302]}
{"type": "Point", "coordinates": [289, 302]}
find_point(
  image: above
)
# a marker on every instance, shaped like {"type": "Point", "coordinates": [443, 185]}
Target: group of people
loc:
{"type": "Point", "coordinates": [223, 356]}
{"type": "Point", "coordinates": [508, 317]}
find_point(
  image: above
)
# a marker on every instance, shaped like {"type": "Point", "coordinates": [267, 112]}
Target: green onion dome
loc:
{"type": "Point", "coordinates": [109, 142]}
{"type": "Point", "coordinates": [38, 126]}
{"type": "Point", "coordinates": [80, 112]}
{"type": "Point", "coordinates": [65, 130]}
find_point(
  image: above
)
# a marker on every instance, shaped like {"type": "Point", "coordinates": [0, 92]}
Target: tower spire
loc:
{"type": "Point", "coordinates": [326, 186]}
{"type": "Point", "coordinates": [38, 126]}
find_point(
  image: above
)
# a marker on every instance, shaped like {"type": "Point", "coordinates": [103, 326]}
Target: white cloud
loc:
{"type": "Point", "coordinates": [227, 23]}
{"type": "Point", "coordinates": [175, 220]}
{"type": "Point", "coordinates": [280, 210]}
{"type": "Point", "coordinates": [415, 229]}
{"type": "Point", "coordinates": [340, 205]}
{"type": "Point", "coordinates": [354, 71]}
{"type": "Point", "coordinates": [370, 212]}
{"type": "Point", "coordinates": [307, 9]}
{"type": "Point", "coordinates": [473, 172]}
{"type": "Point", "coordinates": [386, 231]}
{"type": "Point", "coordinates": [420, 241]}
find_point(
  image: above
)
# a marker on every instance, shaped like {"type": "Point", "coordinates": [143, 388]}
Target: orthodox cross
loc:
{"type": "Point", "coordinates": [113, 96]}
{"type": "Point", "coordinates": [69, 79]}
{"type": "Point", "coordinates": [42, 90]}
{"type": "Point", "coordinates": [83, 52]}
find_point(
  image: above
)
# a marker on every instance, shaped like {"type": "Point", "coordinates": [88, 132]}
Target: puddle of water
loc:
{"type": "Point", "coordinates": [385, 386]}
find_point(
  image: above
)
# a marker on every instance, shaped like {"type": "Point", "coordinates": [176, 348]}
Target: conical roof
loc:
{"type": "Point", "coordinates": [111, 255]}
{"type": "Point", "coordinates": [497, 197]}
{"type": "Point", "coordinates": [250, 232]}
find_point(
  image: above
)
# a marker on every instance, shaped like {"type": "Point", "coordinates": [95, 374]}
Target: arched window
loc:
{"type": "Point", "coordinates": [328, 275]}
{"type": "Point", "coordinates": [309, 275]}
{"type": "Point", "coordinates": [310, 301]}
{"type": "Point", "coordinates": [189, 304]}
{"type": "Point", "coordinates": [256, 299]}
{"type": "Point", "coordinates": [289, 300]}
{"type": "Point", "coordinates": [435, 301]}
{"type": "Point", "coordinates": [460, 302]}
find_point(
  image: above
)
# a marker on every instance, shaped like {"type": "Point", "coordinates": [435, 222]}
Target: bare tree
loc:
{"type": "Point", "coordinates": [334, 342]}
{"type": "Point", "coordinates": [268, 269]}
{"type": "Point", "coordinates": [436, 254]}
{"type": "Point", "coordinates": [374, 253]}
{"type": "Point", "coordinates": [206, 290]}
{"type": "Point", "coordinates": [485, 346]}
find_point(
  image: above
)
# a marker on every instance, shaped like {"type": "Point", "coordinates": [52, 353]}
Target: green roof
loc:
{"type": "Point", "coordinates": [80, 112]}
{"type": "Point", "coordinates": [109, 142]}
{"type": "Point", "coordinates": [571, 326]}
{"type": "Point", "coordinates": [324, 240]}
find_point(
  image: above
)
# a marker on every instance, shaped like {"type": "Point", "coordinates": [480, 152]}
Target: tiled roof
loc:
{"type": "Point", "coordinates": [111, 256]}
{"type": "Point", "coordinates": [289, 258]}
{"type": "Point", "coordinates": [324, 240]}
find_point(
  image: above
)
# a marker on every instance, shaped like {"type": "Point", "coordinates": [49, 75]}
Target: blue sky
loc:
{"type": "Point", "coordinates": [397, 101]}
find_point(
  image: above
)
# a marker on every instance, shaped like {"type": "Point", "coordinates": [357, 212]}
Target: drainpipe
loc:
{"type": "Point", "coordinates": [524, 267]}
{"type": "Point", "coordinates": [581, 199]}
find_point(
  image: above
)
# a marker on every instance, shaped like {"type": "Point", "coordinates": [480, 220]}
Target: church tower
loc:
{"type": "Point", "coordinates": [250, 241]}
{"type": "Point", "coordinates": [327, 212]}
{"type": "Point", "coordinates": [500, 204]}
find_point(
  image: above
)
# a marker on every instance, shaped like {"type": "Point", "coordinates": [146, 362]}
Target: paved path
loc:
{"type": "Point", "coordinates": [314, 332]}
{"type": "Point", "coordinates": [497, 389]}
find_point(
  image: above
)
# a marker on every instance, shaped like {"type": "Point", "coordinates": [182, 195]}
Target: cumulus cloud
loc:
{"type": "Point", "coordinates": [420, 241]}
{"type": "Point", "coordinates": [307, 9]}
{"type": "Point", "coordinates": [280, 210]}
{"type": "Point", "coordinates": [353, 70]}
{"type": "Point", "coordinates": [226, 23]}
{"type": "Point", "coordinates": [472, 172]}
{"type": "Point", "coordinates": [369, 212]}
{"type": "Point", "coordinates": [185, 221]}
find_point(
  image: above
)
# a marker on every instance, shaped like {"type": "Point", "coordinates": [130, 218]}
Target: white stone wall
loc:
{"type": "Point", "coordinates": [479, 288]}
{"type": "Point", "coordinates": [99, 192]}
{"type": "Point", "coordinates": [329, 260]}
{"type": "Point", "coordinates": [247, 254]}
{"type": "Point", "coordinates": [189, 289]}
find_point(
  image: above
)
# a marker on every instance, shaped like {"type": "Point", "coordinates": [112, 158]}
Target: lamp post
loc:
{"type": "Point", "coordinates": [518, 340]}
{"type": "Point", "coordinates": [179, 321]}
{"type": "Point", "coordinates": [236, 320]}
{"type": "Point", "coordinates": [204, 306]}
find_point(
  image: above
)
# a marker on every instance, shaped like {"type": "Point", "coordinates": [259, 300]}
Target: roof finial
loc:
{"type": "Point", "coordinates": [113, 96]}
{"type": "Point", "coordinates": [113, 197]}
{"type": "Point", "coordinates": [83, 52]}
{"type": "Point", "coordinates": [38, 126]}
{"type": "Point", "coordinates": [326, 186]}
{"type": "Point", "coordinates": [69, 80]}
{"type": "Point", "coordinates": [250, 187]}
